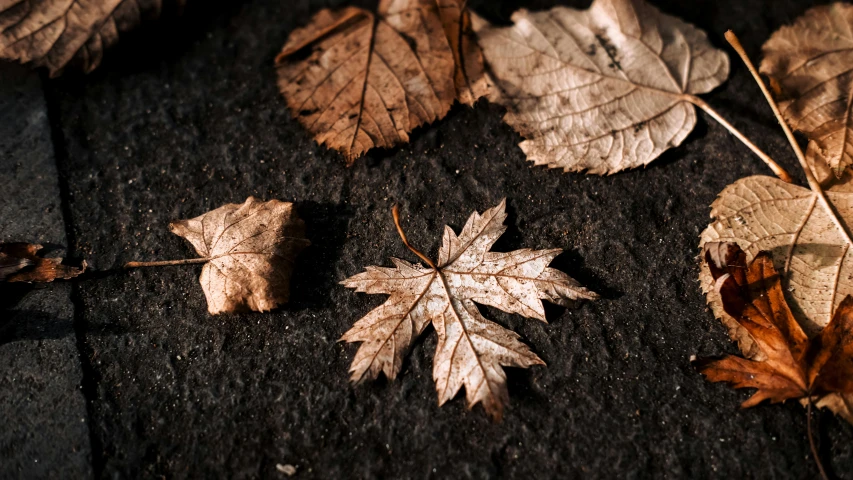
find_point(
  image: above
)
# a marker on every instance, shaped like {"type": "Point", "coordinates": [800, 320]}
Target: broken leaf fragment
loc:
{"type": "Point", "coordinates": [604, 89]}
{"type": "Point", "coordinates": [791, 365]}
{"type": "Point", "coordinates": [809, 62]}
{"type": "Point", "coordinates": [55, 33]}
{"type": "Point", "coordinates": [20, 262]}
{"type": "Point", "coordinates": [471, 350]}
{"type": "Point", "coordinates": [248, 251]}
{"type": "Point", "coordinates": [358, 80]}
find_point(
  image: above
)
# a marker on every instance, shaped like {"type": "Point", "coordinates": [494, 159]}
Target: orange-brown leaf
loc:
{"type": "Point", "coordinates": [789, 365]}
{"type": "Point", "coordinates": [752, 295]}
{"type": "Point", "coordinates": [19, 262]}
{"type": "Point", "coordinates": [832, 363]}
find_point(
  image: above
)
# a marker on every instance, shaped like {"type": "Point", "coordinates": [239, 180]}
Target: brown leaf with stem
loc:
{"type": "Point", "coordinates": [604, 89]}
{"type": "Point", "coordinates": [471, 350]}
{"type": "Point", "coordinates": [248, 252]}
{"type": "Point", "coordinates": [358, 80]}
{"type": "Point", "coordinates": [55, 33]}
{"type": "Point", "coordinates": [20, 262]}
{"type": "Point", "coordinates": [810, 61]}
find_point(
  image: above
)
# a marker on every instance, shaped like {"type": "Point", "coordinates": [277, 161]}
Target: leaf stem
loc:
{"type": "Point", "coordinates": [165, 263]}
{"type": "Point", "coordinates": [811, 440]}
{"type": "Point", "coordinates": [396, 213]}
{"type": "Point", "coordinates": [813, 183]}
{"type": "Point", "coordinates": [777, 169]}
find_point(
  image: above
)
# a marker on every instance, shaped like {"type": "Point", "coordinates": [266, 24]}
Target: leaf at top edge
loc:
{"type": "Point", "coordinates": [811, 62]}
{"type": "Point", "coordinates": [56, 33]}
{"type": "Point", "coordinates": [359, 81]}
{"type": "Point", "coordinates": [792, 365]}
{"type": "Point", "coordinates": [602, 89]}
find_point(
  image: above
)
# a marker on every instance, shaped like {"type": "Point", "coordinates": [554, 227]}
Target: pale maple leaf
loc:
{"type": "Point", "coordinates": [471, 350]}
{"type": "Point", "coordinates": [54, 33]}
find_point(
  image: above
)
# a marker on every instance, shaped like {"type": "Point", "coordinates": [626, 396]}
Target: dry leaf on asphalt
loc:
{"type": "Point", "coordinates": [471, 350]}
{"type": "Point", "coordinates": [358, 80]}
{"type": "Point", "coordinates": [791, 366]}
{"type": "Point", "coordinates": [810, 62]}
{"type": "Point", "coordinates": [55, 33]}
{"type": "Point", "coordinates": [248, 252]}
{"type": "Point", "coordinates": [20, 262]}
{"type": "Point", "coordinates": [604, 89]}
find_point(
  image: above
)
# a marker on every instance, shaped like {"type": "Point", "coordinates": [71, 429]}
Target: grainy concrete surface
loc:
{"type": "Point", "coordinates": [185, 116]}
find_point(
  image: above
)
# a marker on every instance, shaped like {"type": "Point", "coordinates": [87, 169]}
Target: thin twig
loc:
{"type": "Point", "coordinates": [396, 213]}
{"type": "Point", "coordinates": [165, 263]}
{"type": "Point", "coordinates": [777, 169]}
{"type": "Point", "coordinates": [811, 441]}
{"type": "Point", "coordinates": [813, 183]}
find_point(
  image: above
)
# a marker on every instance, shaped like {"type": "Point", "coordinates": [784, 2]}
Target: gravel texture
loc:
{"type": "Point", "coordinates": [185, 116]}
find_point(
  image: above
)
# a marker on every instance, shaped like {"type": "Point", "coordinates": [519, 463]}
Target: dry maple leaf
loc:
{"type": "Point", "coordinates": [810, 62]}
{"type": "Point", "coordinates": [471, 350]}
{"type": "Point", "coordinates": [792, 366]}
{"type": "Point", "coordinates": [54, 33]}
{"type": "Point", "coordinates": [19, 262]}
{"type": "Point", "coordinates": [604, 89]}
{"type": "Point", "coordinates": [248, 252]}
{"type": "Point", "coordinates": [358, 80]}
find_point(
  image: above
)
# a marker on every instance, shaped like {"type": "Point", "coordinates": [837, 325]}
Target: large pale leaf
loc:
{"type": "Point", "coordinates": [358, 80]}
{"type": "Point", "coordinates": [472, 351]}
{"type": "Point", "coordinates": [604, 89]}
{"type": "Point", "coordinates": [54, 33]}
{"type": "Point", "coordinates": [811, 62]}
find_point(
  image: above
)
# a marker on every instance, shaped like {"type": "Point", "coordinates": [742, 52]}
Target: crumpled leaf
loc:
{"type": "Point", "coordinates": [761, 213]}
{"type": "Point", "coordinates": [19, 262]}
{"type": "Point", "coordinates": [810, 63]}
{"type": "Point", "coordinates": [55, 33]}
{"type": "Point", "coordinates": [604, 89]}
{"type": "Point", "coordinates": [358, 80]}
{"type": "Point", "coordinates": [250, 250]}
{"type": "Point", "coordinates": [471, 350]}
{"type": "Point", "coordinates": [791, 365]}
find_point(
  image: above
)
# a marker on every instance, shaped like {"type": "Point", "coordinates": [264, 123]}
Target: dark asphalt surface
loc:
{"type": "Point", "coordinates": [125, 375]}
